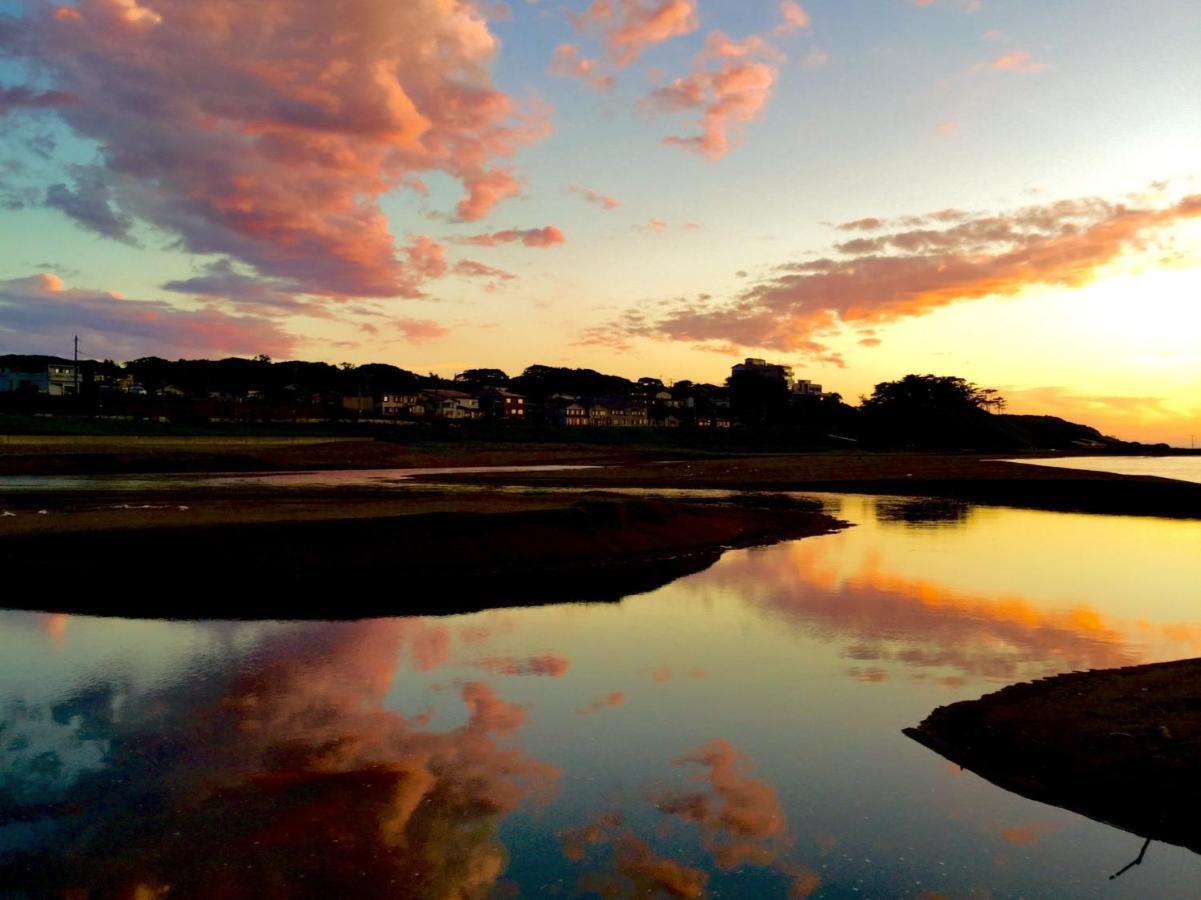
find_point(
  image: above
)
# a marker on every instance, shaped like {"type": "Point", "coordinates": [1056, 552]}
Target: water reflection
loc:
{"type": "Point", "coordinates": [736, 732]}
{"type": "Point", "coordinates": [283, 768]}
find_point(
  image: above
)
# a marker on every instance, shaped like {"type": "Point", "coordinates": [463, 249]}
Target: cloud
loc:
{"type": "Point", "coordinates": [89, 204]}
{"type": "Point", "coordinates": [741, 816]}
{"type": "Point", "coordinates": [427, 256]}
{"type": "Point", "coordinates": [909, 267]}
{"type": "Point", "coordinates": [228, 126]}
{"type": "Point", "coordinates": [43, 311]}
{"type": "Point", "coordinates": [19, 97]}
{"type": "Point", "coordinates": [727, 96]}
{"type": "Point", "coordinates": [1019, 61]}
{"type": "Point", "coordinates": [547, 664]}
{"type": "Point", "coordinates": [271, 764]}
{"type": "Point", "coordinates": [617, 698]}
{"type": "Point", "coordinates": [592, 196]}
{"type": "Point", "coordinates": [547, 236]}
{"type": "Point", "coordinates": [418, 331]}
{"type": "Point", "coordinates": [567, 63]}
{"type": "Point", "coordinates": [469, 268]}
{"type": "Point", "coordinates": [222, 281]}
{"type": "Point", "coordinates": [792, 17]}
{"type": "Point", "coordinates": [630, 26]}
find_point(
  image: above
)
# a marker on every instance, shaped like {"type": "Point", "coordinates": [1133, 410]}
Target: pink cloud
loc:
{"type": "Point", "coordinates": [921, 264]}
{"type": "Point", "coordinates": [792, 17]}
{"type": "Point", "coordinates": [727, 97]}
{"type": "Point", "coordinates": [427, 256]}
{"type": "Point", "coordinates": [741, 816]}
{"type": "Point", "coordinates": [1019, 61]}
{"type": "Point", "coordinates": [601, 200]}
{"type": "Point", "coordinates": [547, 236]}
{"type": "Point", "coordinates": [230, 127]}
{"type": "Point", "coordinates": [418, 331]}
{"type": "Point", "coordinates": [630, 26]}
{"type": "Point", "coordinates": [42, 311]}
{"type": "Point", "coordinates": [567, 63]}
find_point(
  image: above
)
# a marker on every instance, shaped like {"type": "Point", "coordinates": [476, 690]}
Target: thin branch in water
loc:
{"type": "Point", "coordinates": [1137, 861]}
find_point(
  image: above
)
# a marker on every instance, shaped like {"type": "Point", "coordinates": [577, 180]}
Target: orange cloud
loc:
{"type": "Point", "coordinates": [548, 236]}
{"type": "Point", "coordinates": [591, 196]}
{"type": "Point", "coordinates": [226, 125]}
{"type": "Point", "coordinates": [418, 331]}
{"type": "Point", "coordinates": [617, 698]}
{"type": "Point", "coordinates": [742, 817]}
{"type": "Point", "coordinates": [881, 616]}
{"type": "Point", "coordinates": [915, 265]}
{"type": "Point", "coordinates": [546, 664]}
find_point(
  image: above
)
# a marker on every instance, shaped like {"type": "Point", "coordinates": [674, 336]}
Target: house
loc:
{"type": "Point", "coordinates": [618, 413]}
{"type": "Point", "coordinates": [395, 405]}
{"type": "Point", "coordinates": [452, 405]}
{"type": "Point", "coordinates": [503, 405]}
{"type": "Point", "coordinates": [38, 374]}
{"type": "Point", "coordinates": [107, 383]}
{"type": "Point", "coordinates": [569, 412]}
{"type": "Point", "coordinates": [358, 404]}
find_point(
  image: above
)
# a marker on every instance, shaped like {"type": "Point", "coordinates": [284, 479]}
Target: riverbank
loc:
{"type": "Point", "coordinates": [1117, 745]}
{"type": "Point", "coordinates": [968, 477]}
{"type": "Point", "coordinates": [373, 556]}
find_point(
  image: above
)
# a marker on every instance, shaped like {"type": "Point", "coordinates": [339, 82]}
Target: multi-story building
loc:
{"type": "Point", "coordinates": [504, 405]}
{"type": "Point", "coordinates": [761, 368]}
{"type": "Point", "coordinates": [38, 374]}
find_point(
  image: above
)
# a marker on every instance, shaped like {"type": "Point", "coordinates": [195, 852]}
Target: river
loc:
{"type": "Point", "coordinates": [734, 733]}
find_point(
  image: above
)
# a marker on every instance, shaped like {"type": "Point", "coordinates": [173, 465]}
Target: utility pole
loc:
{"type": "Point", "coordinates": [76, 368]}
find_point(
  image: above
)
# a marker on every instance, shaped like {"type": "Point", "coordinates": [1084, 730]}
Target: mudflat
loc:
{"type": "Point", "coordinates": [352, 557]}
{"type": "Point", "coordinates": [1118, 745]}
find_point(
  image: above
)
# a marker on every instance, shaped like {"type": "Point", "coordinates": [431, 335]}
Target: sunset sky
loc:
{"type": "Point", "coordinates": [1007, 190]}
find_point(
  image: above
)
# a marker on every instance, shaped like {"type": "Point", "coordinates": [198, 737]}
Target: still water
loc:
{"type": "Point", "coordinates": [1180, 468]}
{"type": "Point", "coordinates": [735, 733]}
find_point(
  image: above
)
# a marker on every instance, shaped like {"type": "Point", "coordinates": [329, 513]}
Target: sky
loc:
{"type": "Point", "coordinates": [1004, 190]}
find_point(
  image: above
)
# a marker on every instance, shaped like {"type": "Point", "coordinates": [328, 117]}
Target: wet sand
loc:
{"type": "Point", "coordinates": [969, 477]}
{"type": "Point", "coordinates": [972, 477]}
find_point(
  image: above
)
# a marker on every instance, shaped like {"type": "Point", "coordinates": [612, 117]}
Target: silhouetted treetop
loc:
{"type": "Point", "coordinates": [942, 393]}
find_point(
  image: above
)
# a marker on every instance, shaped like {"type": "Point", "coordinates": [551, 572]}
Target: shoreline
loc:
{"type": "Point", "coordinates": [419, 563]}
{"type": "Point", "coordinates": [1115, 745]}
{"type": "Point", "coordinates": [972, 477]}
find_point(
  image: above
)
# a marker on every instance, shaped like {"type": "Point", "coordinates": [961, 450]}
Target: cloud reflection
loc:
{"type": "Point", "coordinates": [287, 776]}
